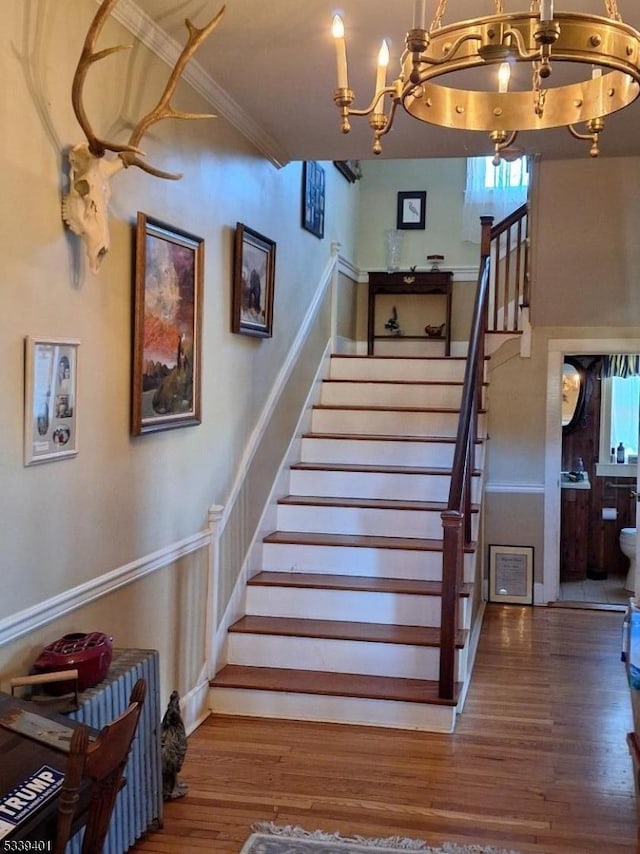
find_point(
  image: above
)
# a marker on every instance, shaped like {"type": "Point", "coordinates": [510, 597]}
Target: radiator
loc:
{"type": "Point", "coordinates": [139, 805]}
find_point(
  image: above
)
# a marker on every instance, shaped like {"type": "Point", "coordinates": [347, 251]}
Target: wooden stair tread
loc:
{"type": "Point", "coordinates": [370, 469]}
{"type": "Point", "coordinates": [365, 503]}
{"type": "Point", "coordinates": [402, 357]}
{"type": "Point", "coordinates": [331, 684]}
{"type": "Point", "coordinates": [369, 381]}
{"type": "Point", "coordinates": [380, 437]}
{"type": "Point", "coordinates": [301, 627]}
{"type": "Point", "coordinates": [323, 581]}
{"type": "Point", "coordinates": [357, 541]}
{"type": "Point", "coordinates": [358, 407]}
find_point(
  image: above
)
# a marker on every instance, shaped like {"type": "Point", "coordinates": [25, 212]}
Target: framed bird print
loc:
{"type": "Point", "coordinates": [412, 209]}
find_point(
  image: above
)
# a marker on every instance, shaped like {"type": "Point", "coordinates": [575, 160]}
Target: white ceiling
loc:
{"type": "Point", "coordinates": [275, 61]}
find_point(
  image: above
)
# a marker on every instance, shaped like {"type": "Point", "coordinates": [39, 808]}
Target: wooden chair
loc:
{"type": "Point", "coordinates": [102, 762]}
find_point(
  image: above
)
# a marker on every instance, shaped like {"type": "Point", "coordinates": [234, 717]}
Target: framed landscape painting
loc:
{"type": "Point", "coordinates": [169, 275]}
{"type": "Point", "coordinates": [254, 269]}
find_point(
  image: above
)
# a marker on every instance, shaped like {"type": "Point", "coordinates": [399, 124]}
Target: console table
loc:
{"type": "Point", "coordinates": [423, 283]}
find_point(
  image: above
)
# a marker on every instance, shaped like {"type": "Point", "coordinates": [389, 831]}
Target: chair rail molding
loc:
{"type": "Point", "coordinates": [28, 620]}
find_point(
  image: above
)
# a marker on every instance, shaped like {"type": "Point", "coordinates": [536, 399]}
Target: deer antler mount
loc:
{"type": "Point", "coordinates": [85, 206]}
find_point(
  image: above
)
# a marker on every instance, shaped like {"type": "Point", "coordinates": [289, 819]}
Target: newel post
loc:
{"type": "Point", "coordinates": [452, 557]}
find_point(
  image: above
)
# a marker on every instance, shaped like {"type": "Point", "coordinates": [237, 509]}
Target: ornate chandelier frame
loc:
{"type": "Point", "coordinates": [609, 46]}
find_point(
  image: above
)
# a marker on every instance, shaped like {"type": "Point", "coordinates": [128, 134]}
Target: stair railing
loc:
{"type": "Point", "coordinates": [509, 285]}
{"type": "Point", "coordinates": [456, 519]}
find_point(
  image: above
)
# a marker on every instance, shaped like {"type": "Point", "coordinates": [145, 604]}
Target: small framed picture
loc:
{"type": "Point", "coordinates": [350, 169]}
{"type": "Point", "coordinates": [412, 210]}
{"type": "Point", "coordinates": [51, 399]}
{"type": "Point", "coordinates": [511, 574]}
{"type": "Point", "coordinates": [313, 198]}
{"type": "Point", "coordinates": [253, 283]}
{"type": "Point", "coordinates": [167, 327]}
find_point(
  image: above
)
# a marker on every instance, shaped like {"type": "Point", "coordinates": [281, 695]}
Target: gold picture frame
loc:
{"type": "Point", "coordinates": [511, 574]}
{"type": "Point", "coordinates": [167, 336]}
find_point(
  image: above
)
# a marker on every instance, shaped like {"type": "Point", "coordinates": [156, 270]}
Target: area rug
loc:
{"type": "Point", "coordinates": [268, 838]}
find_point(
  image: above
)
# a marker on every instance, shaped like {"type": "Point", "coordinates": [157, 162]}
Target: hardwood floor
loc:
{"type": "Point", "coordinates": [538, 762]}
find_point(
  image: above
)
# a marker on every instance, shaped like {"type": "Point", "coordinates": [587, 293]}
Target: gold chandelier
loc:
{"type": "Point", "coordinates": [603, 52]}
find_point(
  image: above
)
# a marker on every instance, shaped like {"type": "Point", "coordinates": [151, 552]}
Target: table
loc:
{"type": "Point", "coordinates": [22, 756]}
{"type": "Point", "coordinates": [437, 282]}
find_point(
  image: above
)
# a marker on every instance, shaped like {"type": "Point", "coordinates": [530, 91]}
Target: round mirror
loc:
{"type": "Point", "coordinates": [572, 393]}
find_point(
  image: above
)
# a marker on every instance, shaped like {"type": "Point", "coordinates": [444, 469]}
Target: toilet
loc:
{"type": "Point", "coordinates": [628, 548]}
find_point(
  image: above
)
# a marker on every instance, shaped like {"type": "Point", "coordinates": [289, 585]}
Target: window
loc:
{"type": "Point", "coordinates": [506, 175]}
{"type": "Point", "coordinates": [493, 191]}
{"type": "Point", "coordinates": [619, 415]}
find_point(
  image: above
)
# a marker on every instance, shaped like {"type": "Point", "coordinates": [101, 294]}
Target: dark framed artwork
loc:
{"type": "Point", "coordinates": [313, 188]}
{"type": "Point", "coordinates": [511, 574]}
{"type": "Point", "coordinates": [412, 210]}
{"type": "Point", "coordinates": [167, 333]}
{"type": "Point", "coordinates": [50, 399]}
{"type": "Point", "coordinates": [254, 270]}
{"type": "Point", "coordinates": [350, 169]}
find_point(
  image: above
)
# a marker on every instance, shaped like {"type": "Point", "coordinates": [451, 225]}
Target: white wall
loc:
{"type": "Point", "coordinates": [444, 182]}
{"type": "Point", "coordinates": [67, 523]}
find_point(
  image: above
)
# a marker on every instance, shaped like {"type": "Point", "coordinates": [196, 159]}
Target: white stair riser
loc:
{"type": "Point", "coordinates": [356, 484]}
{"type": "Point", "coordinates": [348, 605]}
{"type": "Point", "coordinates": [343, 560]}
{"type": "Point", "coordinates": [382, 452]}
{"type": "Point", "coordinates": [388, 394]}
{"type": "Point", "coordinates": [333, 656]}
{"type": "Point", "coordinates": [311, 707]}
{"type": "Point", "coordinates": [387, 422]}
{"type": "Point", "coordinates": [315, 519]}
{"type": "Point", "coordinates": [400, 370]}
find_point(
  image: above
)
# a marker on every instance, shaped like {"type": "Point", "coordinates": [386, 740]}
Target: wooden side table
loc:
{"type": "Point", "coordinates": [424, 283]}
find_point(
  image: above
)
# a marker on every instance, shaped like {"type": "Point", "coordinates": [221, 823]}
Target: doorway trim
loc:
{"type": "Point", "coordinates": [558, 348]}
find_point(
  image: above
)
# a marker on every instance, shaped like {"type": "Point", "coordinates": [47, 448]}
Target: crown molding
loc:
{"type": "Point", "coordinates": [147, 31]}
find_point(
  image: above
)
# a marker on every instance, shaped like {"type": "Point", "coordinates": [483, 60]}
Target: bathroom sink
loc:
{"type": "Point", "coordinates": [574, 480]}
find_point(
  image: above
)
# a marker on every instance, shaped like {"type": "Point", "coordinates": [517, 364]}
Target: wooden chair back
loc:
{"type": "Point", "coordinates": [102, 762]}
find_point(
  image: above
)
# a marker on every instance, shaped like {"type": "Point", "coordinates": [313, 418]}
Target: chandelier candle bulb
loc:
{"type": "Point", "coordinates": [383, 61]}
{"type": "Point", "coordinates": [546, 10]}
{"type": "Point", "coordinates": [337, 30]}
{"type": "Point", "coordinates": [419, 14]}
{"type": "Point", "coordinates": [504, 75]}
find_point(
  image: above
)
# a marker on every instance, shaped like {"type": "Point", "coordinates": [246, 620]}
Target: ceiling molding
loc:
{"type": "Point", "coordinates": [154, 37]}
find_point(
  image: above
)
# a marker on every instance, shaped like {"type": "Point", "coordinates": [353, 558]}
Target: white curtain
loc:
{"type": "Point", "coordinates": [493, 191]}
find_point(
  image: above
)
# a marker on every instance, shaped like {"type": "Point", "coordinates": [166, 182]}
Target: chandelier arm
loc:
{"type": "Point", "coordinates": [388, 90]}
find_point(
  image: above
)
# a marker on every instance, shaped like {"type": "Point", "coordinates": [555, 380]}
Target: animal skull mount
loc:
{"type": "Point", "coordinates": [85, 208]}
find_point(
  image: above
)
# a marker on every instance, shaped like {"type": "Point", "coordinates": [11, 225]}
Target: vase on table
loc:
{"type": "Point", "coordinates": [393, 243]}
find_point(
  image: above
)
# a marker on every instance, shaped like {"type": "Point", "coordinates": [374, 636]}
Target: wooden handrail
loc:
{"type": "Point", "coordinates": [509, 287]}
{"type": "Point", "coordinates": [456, 527]}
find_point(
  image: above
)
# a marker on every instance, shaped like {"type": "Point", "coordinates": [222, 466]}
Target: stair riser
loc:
{"type": "Point", "coordinates": [349, 605]}
{"type": "Point", "coordinates": [399, 487]}
{"type": "Point", "coordinates": [387, 422]}
{"type": "Point", "coordinates": [340, 560]}
{"type": "Point", "coordinates": [370, 659]}
{"type": "Point", "coordinates": [383, 394]}
{"type": "Point", "coordinates": [397, 370]}
{"type": "Point", "coordinates": [309, 707]}
{"type": "Point", "coordinates": [382, 452]}
{"type": "Point", "coordinates": [315, 519]}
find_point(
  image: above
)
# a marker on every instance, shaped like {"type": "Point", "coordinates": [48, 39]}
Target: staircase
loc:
{"type": "Point", "coordinates": [343, 622]}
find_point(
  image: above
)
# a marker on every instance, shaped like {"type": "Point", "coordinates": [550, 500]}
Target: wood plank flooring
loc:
{"type": "Point", "coordinates": [538, 763]}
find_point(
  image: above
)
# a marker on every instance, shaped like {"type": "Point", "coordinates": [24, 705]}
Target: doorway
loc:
{"type": "Point", "coordinates": [557, 350]}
